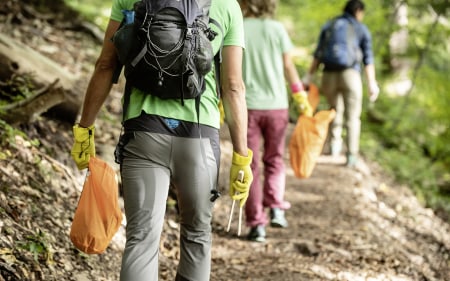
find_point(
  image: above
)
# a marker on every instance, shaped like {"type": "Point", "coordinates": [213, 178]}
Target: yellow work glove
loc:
{"type": "Point", "coordinates": [222, 113]}
{"type": "Point", "coordinates": [301, 103]}
{"type": "Point", "coordinates": [84, 146]}
{"type": "Point", "coordinates": [239, 190]}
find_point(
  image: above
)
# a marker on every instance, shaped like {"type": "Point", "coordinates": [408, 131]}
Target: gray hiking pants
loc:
{"type": "Point", "coordinates": [150, 162]}
{"type": "Point", "coordinates": [343, 91]}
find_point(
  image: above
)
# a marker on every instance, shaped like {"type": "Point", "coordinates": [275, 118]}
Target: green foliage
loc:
{"type": "Point", "coordinates": [408, 135]}
{"type": "Point", "coordinates": [304, 21]}
{"type": "Point", "coordinates": [439, 6]}
{"type": "Point", "coordinates": [16, 88]}
{"type": "Point", "coordinates": [38, 245]}
{"type": "Point", "coordinates": [434, 102]}
{"type": "Point", "coordinates": [8, 134]}
{"type": "Point", "coordinates": [96, 11]}
{"type": "Point", "coordinates": [46, 6]}
{"type": "Point", "coordinates": [412, 140]}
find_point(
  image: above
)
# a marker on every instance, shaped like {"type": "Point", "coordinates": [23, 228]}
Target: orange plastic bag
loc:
{"type": "Point", "coordinates": [313, 96]}
{"type": "Point", "coordinates": [307, 141]}
{"type": "Point", "coordinates": [98, 215]}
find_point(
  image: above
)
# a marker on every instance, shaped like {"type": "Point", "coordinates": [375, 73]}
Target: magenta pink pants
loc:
{"type": "Point", "coordinates": [270, 127]}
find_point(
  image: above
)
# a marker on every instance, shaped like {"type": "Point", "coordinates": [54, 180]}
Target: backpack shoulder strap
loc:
{"type": "Point", "coordinates": [327, 32]}
{"type": "Point", "coordinates": [352, 30]}
{"type": "Point", "coordinates": [218, 57]}
{"type": "Point", "coordinates": [331, 27]}
{"type": "Point", "coordinates": [116, 73]}
{"type": "Point", "coordinates": [352, 38]}
{"type": "Point", "coordinates": [119, 66]}
{"type": "Point", "coordinates": [126, 100]}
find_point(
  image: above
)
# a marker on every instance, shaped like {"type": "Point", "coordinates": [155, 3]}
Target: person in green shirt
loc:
{"type": "Point", "coordinates": [167, 142]}
{"type": "Point", "coordinates": [267, 67]}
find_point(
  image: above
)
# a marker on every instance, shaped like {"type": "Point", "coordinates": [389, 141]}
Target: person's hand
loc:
{"type": "Point", "coordinates": [84, 146]}
{"type": "Point", "coordinates": [374, 91]}
{"type": "Point", "coordinates": [239, 190]}
{"type": "Point", "coordinates": [307, 79]}
{"type": "Point", "coordinates": [301, 103]}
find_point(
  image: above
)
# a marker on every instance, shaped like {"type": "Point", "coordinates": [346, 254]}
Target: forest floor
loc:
{"type": "Point", "coordinates": [344, 224]}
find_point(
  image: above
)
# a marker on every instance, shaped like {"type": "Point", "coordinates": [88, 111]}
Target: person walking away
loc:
{"type": "Point", "coordinates": [344, 43]}
{"type": "Point", "coordinates": [164, 142]}
{"type": "Point", "coordinates": [267, 67]}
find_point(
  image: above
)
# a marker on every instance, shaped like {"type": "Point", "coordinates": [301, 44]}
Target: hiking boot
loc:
{"type": "Point", "coordinates": [351, 161]}
{"type": "Point", "coordinates": [336, 149]}
{"type": "Point", "coordinates": [257, 234]}
{"type": "Point", "coordinates": [277, 218]}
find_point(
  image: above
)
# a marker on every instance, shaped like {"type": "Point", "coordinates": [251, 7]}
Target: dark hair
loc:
{"type": "Point", "coordinates": [258, 8]}
{"type": "Point", "coordinates": [353, 6]}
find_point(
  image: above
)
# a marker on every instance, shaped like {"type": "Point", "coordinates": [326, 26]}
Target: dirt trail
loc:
{"type": "Point", "coordinates": [343, 225]}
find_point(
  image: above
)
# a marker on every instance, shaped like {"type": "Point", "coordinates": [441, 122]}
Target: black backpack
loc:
{"type": "Point", "coordinates": [339, 49]}
{"type": "Point", "coordinates": [166, 50]}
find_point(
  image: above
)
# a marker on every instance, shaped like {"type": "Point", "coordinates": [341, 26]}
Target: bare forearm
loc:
{"type": "Point", "coordinates": [96, 94]}
{"type": "Point", "coordinates": [314, 66]}
{"type": "Point", "coordinates": [370, 72]}
{"type": "Point", "coordinates": [236, 117]}
{"type": "Point", "coordinates": [290, 72]}
{"type": "Point", "coordinates": [233, 97]}
{"type": "Point", "coordinates": [101, 80]}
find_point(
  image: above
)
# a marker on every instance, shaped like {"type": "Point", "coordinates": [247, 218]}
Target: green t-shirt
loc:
{"type": "Point", "coordinates": [229, 16]}
{"type": "Point", "coordinates": [266, 41]}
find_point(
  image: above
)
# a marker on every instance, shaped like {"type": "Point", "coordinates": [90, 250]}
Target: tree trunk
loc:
{"type": "Point", "coordinates": [60, 92]}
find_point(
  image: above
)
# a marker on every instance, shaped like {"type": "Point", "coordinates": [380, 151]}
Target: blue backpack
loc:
{"type": "Point", "coordinates": [340, 45]}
